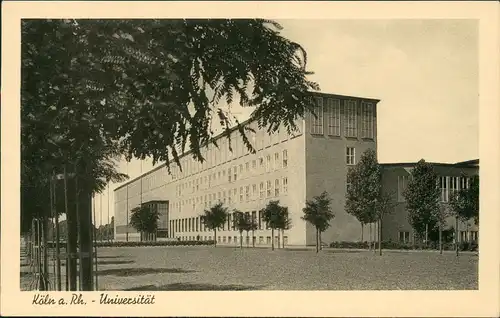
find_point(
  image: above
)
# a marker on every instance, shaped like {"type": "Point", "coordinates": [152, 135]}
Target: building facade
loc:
{"type": "Point", "coordinates": [452, 178]}
{"type": "Point", "coordinates": [289, 168]}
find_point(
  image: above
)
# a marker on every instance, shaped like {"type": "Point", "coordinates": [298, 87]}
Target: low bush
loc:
{"type": "Point", "coordinates": [390, 245]}
{"type": "Point", "coordinates": [151, 243]}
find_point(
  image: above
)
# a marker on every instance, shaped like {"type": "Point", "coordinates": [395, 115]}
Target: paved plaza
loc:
{"type": "Point", "coordinates": [223, 268]}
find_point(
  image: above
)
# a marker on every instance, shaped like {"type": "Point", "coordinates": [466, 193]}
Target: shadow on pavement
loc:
{"type": "Point", "coordinates": [108, 256]}
{"type": "Point", "coordinates": [105, 262]}
{"type": "Point", "coordinates": [193, 287]}
{"type": "Point", "coordinates": [124, 272]}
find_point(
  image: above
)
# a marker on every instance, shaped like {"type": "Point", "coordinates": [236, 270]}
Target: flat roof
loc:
{"type": "Point", "coordinates": [467, 163]}
{"type": "Point", "coordinates": [222, 134]}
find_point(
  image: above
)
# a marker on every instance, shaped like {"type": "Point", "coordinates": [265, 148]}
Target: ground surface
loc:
{"type": "Point", "coordinates": [221, 268]}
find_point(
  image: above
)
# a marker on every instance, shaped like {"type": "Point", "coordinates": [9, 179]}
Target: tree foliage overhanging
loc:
{"type": "Point", "coordinates": [94, 90]}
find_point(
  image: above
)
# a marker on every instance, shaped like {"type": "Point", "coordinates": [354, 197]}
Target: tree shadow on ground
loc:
{"type": "Point", "coordinates": [109, 256]}
{"type": "Point", "coordinates": [346, 251]}
{"type": "Point", "coordinates": [105, 262]}
{"type": "Point", "coordinates": [124, 272]}
{"type": "Point", "coordinates": [194, 287]}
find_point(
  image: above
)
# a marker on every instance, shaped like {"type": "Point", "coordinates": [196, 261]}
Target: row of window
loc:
{"type": "Point", "coordinates": [242, 194]}
{"type": "Point", "coordinates": [448, 186]}
{"type": "Point", "coordinates": [331, 109]}
{"type": "Point", "coordinates": [234, 173]}
{"type": "Point", "coordinates": [235, 239]}
{"type": "Point", "coordinates": [465, 236]}
{"type": "Point", "coordinates": [195, 224]}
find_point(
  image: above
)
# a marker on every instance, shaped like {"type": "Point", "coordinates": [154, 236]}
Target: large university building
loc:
{"type": "Point", "coordinates": [288, 168]}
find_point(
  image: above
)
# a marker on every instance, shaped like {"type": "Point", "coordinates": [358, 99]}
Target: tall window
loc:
{"type": "Point", "coordinates": [254, 164]}
{"type": "Point", "coordinates": [235, 173]}
{"type": "Point", "coordinates": [269, 188]}
{"type": "Point", "coordinates": [285, 158]}
{"type": "Point", "coordinates": [351, 127]}
{"type": "Point", "coordinates": [333, 110]}
{"type": "Point", "coordinates": [367, 125]}
{"type": "Point", "coordinates": [404, 236]}
{"type": "Point", "coordinates": [261, 162]}
{"type": "Point", "coordinates": [268, 163]}
{"type": "Point", "coordinates": [464, 182]}
{"type": "Point", "coordinates": [350, 156]}
{"type": "Point", "coordinates": [402, 184]}
{"type": "Point", "coordinates": [229, 175]}
{"type": "Point", "coordinates": [261, 190]}
{"type": "Point", "coordinates": [454, 186]}
{"type": "Point", "coordinates": [276, 160]}
{"type": "Point", "coordinates": [443, 181]}
{"type": "Point", "coordinates": [276, 187]}
{"type": "Point", "coordinates": [317, 117]}
{"type": "Point", "coordinates": [247, 193]}
{"type": "Point", "coordinates": [285, 184]}
{"type": "Point", "coordinates": [254, 190]}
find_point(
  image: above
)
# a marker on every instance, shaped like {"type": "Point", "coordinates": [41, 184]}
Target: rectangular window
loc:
{"type": "Point", "coordinates": [262, 190]}
{"type": "Point", "coordinates": [474, 236]}
{"type": "Point", "coordinates": [254, 164]}
{"type": "Point", "coordinates": [261, 162]}
{"type": "Point", "coordinates": [276, 187]}
{"type": "Point", "coordinates": [285, 158]}
{"type": "Point", "coordinates": [444, 189]}
{"type": "Point", "coordinates": [268, 240]}
{"type": "Point", "coordinates": [247, 193]}
{"type": "Point", "coordinates": [261, 240]}
{"type": "Point", "coordinates": [350, 156]}
{"type": "Point", "coordinates": [317, 117]}
{"type": "Point", "coordinates": [254, 190]}
{"type": "Point", "coordinates": [367, 125]}
{"type": "Point", "coordinates": [454, 186]}
{"type": "Point", "coordinates": [285, 184]}
{"type": "Point", "coordinates": [269, 188]}
{"type": "Point", "coordinates": [333, 117]}
{"type": "Point", "coordinates": [241, 194]}
{"type": "Point", "coordinates": [404, 236]}
{"type": "Point", "coordinates": [268, 163]}
{"type": "Point", "coordinates": [351, 127]}
{"type": "Point", "coordinates": [235, 173]}
{"type": "Point", "coordinates": [402, 184]}
{"type": "Point", "coordinates": [276, 160]}
{"type": "Point", "coordinates": [260, 220]}
{"type": "Point", "coordinates": [463, 236]}
{"type": "Point", "coordinates": [247, 167]}
{"type": "Point", "coordinates": [464, 182]}
{"type": "Point", "coordinates": [229, 175]}
{"type": "Point", "coordinates": [241, 169]}
{"type": "Point", "coordinates": [229, 239]}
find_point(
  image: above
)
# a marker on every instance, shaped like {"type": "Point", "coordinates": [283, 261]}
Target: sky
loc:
{"type": "Point", "coordinates": [425, 72]}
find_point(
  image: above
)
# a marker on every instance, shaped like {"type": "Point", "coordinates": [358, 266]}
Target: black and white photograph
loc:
{"type": "Point", "coordinates": [246, 154]}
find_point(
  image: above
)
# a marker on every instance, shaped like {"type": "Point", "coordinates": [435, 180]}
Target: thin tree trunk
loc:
{"type": "Point", "coordinates": [380, 236]}
{"type": "Point", "coordinates": [55, 213]}
{"type": "Point", "coordinates": [317, 240]}
{"type": "Point", "coordinates": [426, 234]}
{"type": "Point", "coordinates": [283, 238]}
{"type": "Point", "coordinates": [320, 243]}
{"type": "Point", "coordinates": [253, 238]}
{"type": "Point", "coordinates": [72, 234]}
{"type": "Point", "coordinates": [362, 225]}
{"type": "Point", "coordinates": [456, 235]}
{"type": "Point", "coordinates": [247, 239]}
{"type": "Point", "coordinates": [440, 238]}
{"type": "Point", "coordinates": [467, 231]}
{"type": "Point", "coordinates": [215, 237]}
{"type": "Point", "coordinates": [370, 243]}
{"type": "Point", "coordinates": [241, 239]}
{"type": "Point", "coordinates": [272, 238]}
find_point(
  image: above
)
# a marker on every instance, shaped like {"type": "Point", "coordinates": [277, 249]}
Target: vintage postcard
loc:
{"type": "Point", "coordinates": [250, 158]}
